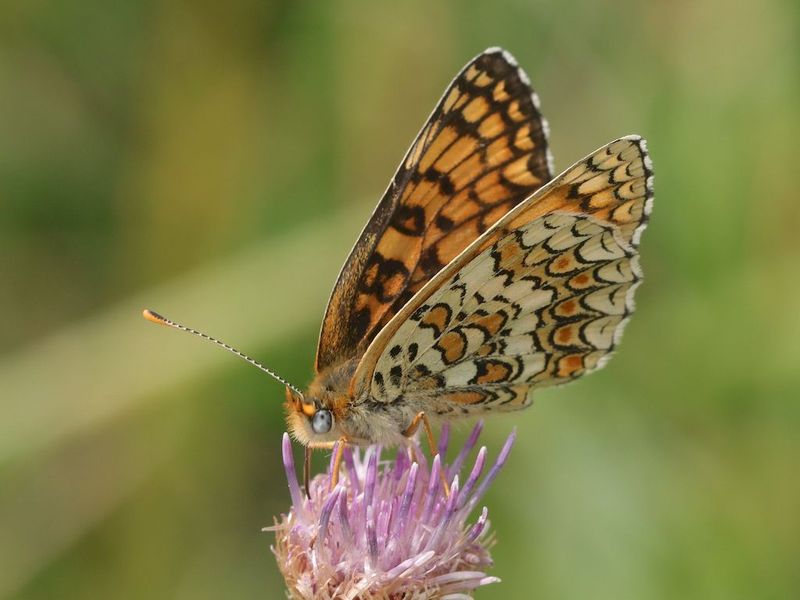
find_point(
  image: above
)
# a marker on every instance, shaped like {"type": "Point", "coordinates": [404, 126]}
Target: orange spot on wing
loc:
{"type": "Point", "coordinates": [485, 350]}
{"type": "Point", "coordinates": [602, 199]}
{"type": "Point", "coordinates": [569, 365]}
{"type": "Point", "coordinates": [453, 346]}
{"type": "Point", "coordinates": [567, 308]}
{"type": "Point", "coordinates": [556, 200]}
{"type": "Point", "coordinates": [466, 171]}
{"type": "Point", "coordinates": [371, 275]}
{"type": "Point", "coordinates": [460, 149]}
{"type": "Point", "coordinates": [498, 152]}
{"type": "Point", "coordinates": [483, 80]}
{"type": "Point", "coordinates": [514, 111]}
{"type": "Point", "coordinates": [420, 193]}
{"type": "Point", "coordinates": [509, 252]}
{"type": "Point", "coordinates": [393, 285]}
{"type": "Point", "coordinates": [518, 172]}
{"type": "Point", "coordinates": [443, 139]}
{"type": "Point", "coordinates": [490, 190]}
{"type": "Point", "coordinates": [452, 244]}
{"type": "Point", "coordinates": [564, 335]}
{"type": "Point", "coordinates": [464, 397]}
{"type": "Point", "coordinates": [369, 303]}
{"type": "Point", "coordinates": [498, 211]}
{"type": "Point", "coordinates": [496, 372]}
{"type": "Point", "coordinates": [623, 213]}
{"type": "Point", "coordinates": [475, 109]}
{"type": "Point", "coordinates": [472, 72]}
{"type": "Point", "coordinates": [580, 280]}
{"type": "Point", "coordinates": [593, 185]}
{"type": "Point", "coordinates": [461, 208]}
{"type": "Point", "coordinates": [523, 140]}
{"type": "Point", "coordinates": [438, 318]}
{"type": "Point", "coordinates": [491, 323]}
{"type": "Point", "coordinates": [499, 92]}
{"type": "Point", "coordinates": [491, 126]}
{"type": "Point", "coordinates": [451, 99]}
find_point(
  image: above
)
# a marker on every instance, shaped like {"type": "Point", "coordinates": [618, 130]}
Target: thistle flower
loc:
{"type": "Point", "coordinates": [388, 529]}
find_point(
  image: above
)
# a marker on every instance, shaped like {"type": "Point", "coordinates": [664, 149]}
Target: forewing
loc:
{"type": "Point", "coordinates": [482, 151]}
{"type": "Point", "coordinates": [540, 299]}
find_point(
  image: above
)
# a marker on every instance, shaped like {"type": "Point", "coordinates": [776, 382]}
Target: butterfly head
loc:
{"type": "Point", "coordinates": [310, 421]}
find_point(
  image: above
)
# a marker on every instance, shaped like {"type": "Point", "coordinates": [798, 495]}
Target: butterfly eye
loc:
{"type": "Point", "coordinates": [322, 421]}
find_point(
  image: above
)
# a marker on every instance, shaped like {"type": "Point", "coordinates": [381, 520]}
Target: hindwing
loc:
{"type": "Point", "coordinates": [540, 299]}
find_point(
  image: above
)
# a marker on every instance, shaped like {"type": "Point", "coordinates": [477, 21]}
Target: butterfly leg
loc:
{"type": "Point", "coordinates": [338, 450]}
{"type": "Point", "coordinates": [307, 471]}
{"type": "Point", "coordinates": [421, 417]}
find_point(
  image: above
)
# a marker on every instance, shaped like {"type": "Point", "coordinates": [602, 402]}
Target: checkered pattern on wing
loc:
{"type": "Point", "coordinates": [543, 305]}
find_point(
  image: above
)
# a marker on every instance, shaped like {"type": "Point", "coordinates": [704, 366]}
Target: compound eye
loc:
{"type": "Point", "coordinates": [322, 421]}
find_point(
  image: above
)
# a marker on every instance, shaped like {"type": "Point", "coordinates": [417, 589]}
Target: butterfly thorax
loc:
{"type": "Point", "coordinates": [331, 387]}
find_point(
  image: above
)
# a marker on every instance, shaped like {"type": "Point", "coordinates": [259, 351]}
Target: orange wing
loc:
{"type": "Point", "coordinates": [482, 151]}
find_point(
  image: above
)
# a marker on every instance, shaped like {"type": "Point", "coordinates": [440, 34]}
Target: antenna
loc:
{"type": "Point", "coordinates": [154, 317]}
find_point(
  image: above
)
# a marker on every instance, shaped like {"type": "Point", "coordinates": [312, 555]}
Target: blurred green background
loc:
{"type": "Point", "coordinates": [215, 161]}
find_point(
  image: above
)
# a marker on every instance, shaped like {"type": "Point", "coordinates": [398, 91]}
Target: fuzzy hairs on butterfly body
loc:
{"type": "Point", "coordinates": [360, 421]}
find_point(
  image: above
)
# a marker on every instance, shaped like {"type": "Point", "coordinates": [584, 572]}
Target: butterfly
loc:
{"type": "Point", "coordinates": [480, 277]}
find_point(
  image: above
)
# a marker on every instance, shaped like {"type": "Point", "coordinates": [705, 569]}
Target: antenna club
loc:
{"type": "Point", "coordinates": [154, 317]}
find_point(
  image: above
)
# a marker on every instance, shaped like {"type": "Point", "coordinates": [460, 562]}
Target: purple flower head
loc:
{"type": "Point", "coordinates": [388, 529]}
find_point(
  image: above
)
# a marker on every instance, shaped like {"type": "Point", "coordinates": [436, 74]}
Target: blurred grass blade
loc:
{"type": "Point", "coordinates": [95, 370]}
